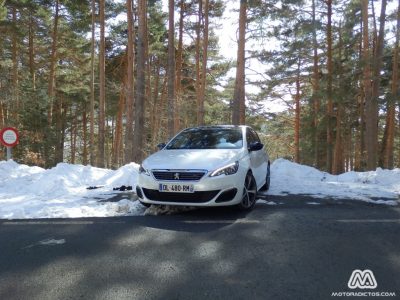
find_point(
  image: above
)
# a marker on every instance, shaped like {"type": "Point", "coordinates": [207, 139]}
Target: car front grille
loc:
{"type": "Point", "coordinates": [196, 197]}
{"type": "Point", "coordinates": [178, 175]}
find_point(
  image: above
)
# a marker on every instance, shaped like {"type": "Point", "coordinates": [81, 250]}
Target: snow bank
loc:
{"type": "Point", "coordinates": [61, 192]}
{"type": "Point", "coordinates": [374, 186]}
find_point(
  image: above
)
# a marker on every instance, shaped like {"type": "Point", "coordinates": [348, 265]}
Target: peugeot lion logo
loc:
{"type": "Point", "coordinates": [362, 280]}
{"type": "Point", "coordinates": [176, 176]}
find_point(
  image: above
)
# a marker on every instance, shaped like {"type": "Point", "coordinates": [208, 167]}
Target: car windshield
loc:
{"type": "Point", "coordinates": [208, 138]}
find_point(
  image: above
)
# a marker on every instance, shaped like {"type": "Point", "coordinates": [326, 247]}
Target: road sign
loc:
{"type": "Point", "coordinates": [9, 137]}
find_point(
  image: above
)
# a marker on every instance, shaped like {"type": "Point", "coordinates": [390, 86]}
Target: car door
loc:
{"type": "Point", "coordinates": [258, 160]}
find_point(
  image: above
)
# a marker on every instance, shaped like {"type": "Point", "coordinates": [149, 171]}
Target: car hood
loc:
{"type": "Point", "coordinates": [207, 159]}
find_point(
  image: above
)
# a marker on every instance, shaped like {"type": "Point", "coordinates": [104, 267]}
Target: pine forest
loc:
{"type": "Point", "coordinates": [102, 82]}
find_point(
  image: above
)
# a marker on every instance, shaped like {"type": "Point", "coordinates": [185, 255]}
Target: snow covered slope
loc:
{"type": "Point", "coordinates": [61, 192]}
{"type": "Point", "coordinates": [374, 186]}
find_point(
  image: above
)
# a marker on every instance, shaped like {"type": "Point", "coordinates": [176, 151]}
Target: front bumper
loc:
{"type": "Point", "coordinates": [222, 190]}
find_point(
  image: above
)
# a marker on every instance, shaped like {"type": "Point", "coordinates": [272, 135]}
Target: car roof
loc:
{"type": "Point", "coordinates": [217, 126]}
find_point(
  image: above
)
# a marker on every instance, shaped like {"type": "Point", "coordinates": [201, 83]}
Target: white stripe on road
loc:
{"type": "Point", "coordinates": [370, 221]}
{"type": "Point", "coordinates": [19, 223]}
{"type": "Point", "coordinates": [48, 223]}
{"type": "Point", "coordinates": [57, 223]}
{"type": "Point", "coordinates": [221, 222]}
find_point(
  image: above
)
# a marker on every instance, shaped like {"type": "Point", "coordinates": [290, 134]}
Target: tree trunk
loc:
{"type": "Point", "coordinates": [238, 107]}
{"type": "Point", "coordinates": [375, 31]}
{"type": "Point", "coordinates": [338, 164]}
{"type": "Point", "coordinates": [159, 113]}
{"type": "Point", "coordinates": [359, 148]}
{"type": "Point", "coordinates": [357, 133]}
{"type": "Point", "coordinates": [198, 76]}
{"type": "Point", "coordinates": [31, 51]}
{"type": "Point", "coordinates": [108, 144]}
{"type": "Point", "coordinates": [387, 152]}
{"type": "Point", "coordinates": [204, 64]}
{"type": "Point", "coordinates": [102, 87]}
{"type": "Point", "coordinates": [179, 66]}
{"type": "Point", "coordinates": [297, 117]}
{"type": "Point", "coordinates": [171, 69]}
{"type": "Point", "coordinates": [329, 108]}
{"type": "Point", "coordinates": [129, 102]}
{"type": "Point", "coordinates": [2, 123]}
{"type": "Point", "coordinates": [398, 117]}
{"type": "Point", "coordinates": [59, 120]}
{"type": "Point", "coordinates": [371, 132]}
{"type": "Point", "coordinates": [366, 75]}
{"type": "Point", "coordinates": [92, 148]}
{"type": "Point", "coordinates": [117, 143]}
{"type": "Point", "coordinates": [338, 155]}
{"type": "Point", "coordinates": [73, 136]}
{"type": "Point", "coordinates": [53, 63]}
{"type": "Point", "coordinates": [138, 137]}
{"type": "Point", "coordinates": [148, 80]}
{"type": "Point", "coordinates": [84, 136]}
{"type": "Point", "coordinates": [15, 80]}
{"type": "Point", "coordinates": [156, 106]}
{"type": "Point", "coordinates": [315, 91]}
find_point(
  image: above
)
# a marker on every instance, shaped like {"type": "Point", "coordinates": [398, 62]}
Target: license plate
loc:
{"type": "Point", "coordinates": [175, 188]}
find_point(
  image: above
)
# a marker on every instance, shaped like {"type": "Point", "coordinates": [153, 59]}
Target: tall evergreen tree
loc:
{"type": "Point", "coordinates": [171, 68]}
{"type": "Point", "coordinates": [140, 89]}
{"type": "Point", "coordinates": [238, 107]}
{"type": "Point", "coordinates": [130, 54]}
{"type": "Point", "coordinates": [102, 87]}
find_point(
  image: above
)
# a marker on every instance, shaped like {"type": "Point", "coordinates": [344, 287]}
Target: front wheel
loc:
{"type": "Point", "coordinates": [249, 193]}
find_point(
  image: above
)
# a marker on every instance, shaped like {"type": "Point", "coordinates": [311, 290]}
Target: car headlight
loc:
{"type": "Point", "coordinates": [143, 171]}
{"type": "Point", "coordinates": [226, 170]}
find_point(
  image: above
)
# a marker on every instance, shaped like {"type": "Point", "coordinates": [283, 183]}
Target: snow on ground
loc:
{"type": "Point", "coordinates": [61, 192]}
{"type": "Point", "coordinates": [374, 186]}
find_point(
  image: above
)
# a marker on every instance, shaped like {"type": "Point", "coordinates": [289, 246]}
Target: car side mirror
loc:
{"type": "Point", "coordinates": [255, 146]}
{"type": "Point", "coordinates": [161, 146]}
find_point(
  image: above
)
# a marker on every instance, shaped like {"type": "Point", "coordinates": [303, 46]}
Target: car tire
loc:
{"type": "Point", "coordinates": [267, 183]}
{"type": "Point", "coordinates": [249, 196]}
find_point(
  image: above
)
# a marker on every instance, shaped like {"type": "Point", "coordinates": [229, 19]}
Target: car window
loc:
{"type": "Point", "coordinates": [256, 138]}
{"type": "Point", "coordinates": [251, 136]}
{"type": "Point", "coordinates": [207, 138]}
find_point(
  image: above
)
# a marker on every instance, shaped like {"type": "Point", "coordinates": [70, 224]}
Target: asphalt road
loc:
{"type": "Point", "coordinates": [293, 250]}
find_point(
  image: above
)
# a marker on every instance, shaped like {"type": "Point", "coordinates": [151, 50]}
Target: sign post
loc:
{"type": "Point", "coordinates": [9, 138]}
{"type": "Point", "coordinates": [9, 154]}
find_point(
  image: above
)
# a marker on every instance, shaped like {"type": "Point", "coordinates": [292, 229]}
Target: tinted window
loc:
{"type": "Point", "coordinates": [256, 138]}
{"type": "Point", "coordinates": [251, 136]}
{"type": "Point", "coordinates": [208, 138]}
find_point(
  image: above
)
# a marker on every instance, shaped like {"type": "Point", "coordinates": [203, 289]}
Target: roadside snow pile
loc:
{"type": "Point", "coordinates": [61, 192]}
{"type": "Point", "coordinates": [374, 186]}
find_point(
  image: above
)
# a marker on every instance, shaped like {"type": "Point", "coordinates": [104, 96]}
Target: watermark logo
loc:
{"type": "Point", "coordinates": [362, 284]}
{"type": "Point", "coordinates": [362, 280]}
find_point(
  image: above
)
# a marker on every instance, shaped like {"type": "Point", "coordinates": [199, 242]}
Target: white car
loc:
{"type": "Point", "coordinates": [206, 166]}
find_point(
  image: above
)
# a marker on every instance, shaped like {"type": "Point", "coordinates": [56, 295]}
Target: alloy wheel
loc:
{"type": "Point", "coordinates": [249, 192]}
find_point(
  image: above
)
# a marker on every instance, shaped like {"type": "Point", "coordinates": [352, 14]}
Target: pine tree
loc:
{"type": "Point", "coordinates": [238, 107]}
{"type": "Point", "coordinates": [138, 137]}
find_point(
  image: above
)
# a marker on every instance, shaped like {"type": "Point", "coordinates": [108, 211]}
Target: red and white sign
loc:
{"type": "Point", "coordinates": [9, 137]}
